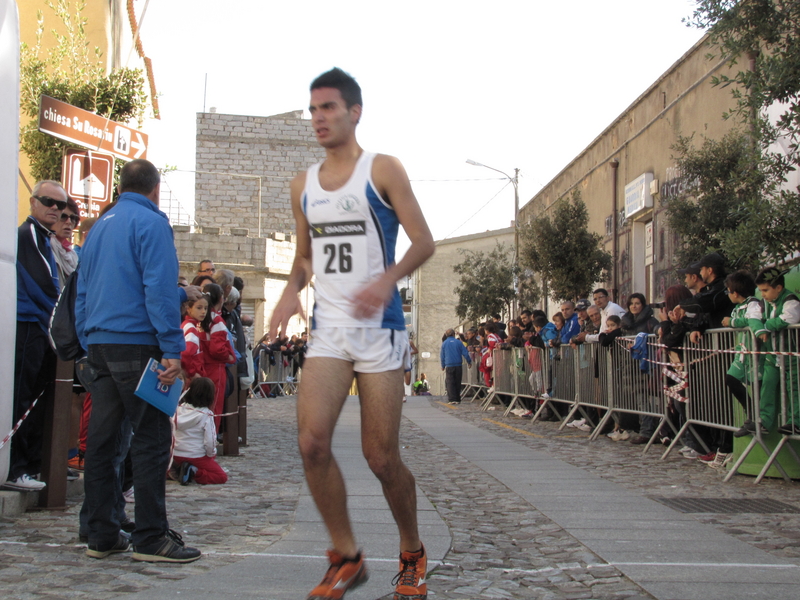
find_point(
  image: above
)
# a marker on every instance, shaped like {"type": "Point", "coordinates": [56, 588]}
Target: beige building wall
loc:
{"type": "Point", "coordinates": [435, 301]}
{"type": "Point", "coordinates": [682, 102]}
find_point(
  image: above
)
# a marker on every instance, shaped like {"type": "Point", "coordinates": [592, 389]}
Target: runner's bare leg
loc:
{"type": "Point", "coordinates": [320, 398]}
{"type": "Point", "coordinates": [381, 407]}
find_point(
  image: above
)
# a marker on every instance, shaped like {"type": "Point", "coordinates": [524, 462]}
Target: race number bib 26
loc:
{"type": "Point", "coordinates": [340, 250]}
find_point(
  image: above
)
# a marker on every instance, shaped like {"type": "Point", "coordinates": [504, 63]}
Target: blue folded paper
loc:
{"type": "Point", "coordinates": [164, 397]}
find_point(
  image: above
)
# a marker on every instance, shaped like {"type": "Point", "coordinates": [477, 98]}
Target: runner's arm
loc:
{"type": "Point", "coordinates": [289, 303]}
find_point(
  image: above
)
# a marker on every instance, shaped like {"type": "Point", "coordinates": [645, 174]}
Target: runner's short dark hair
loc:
{"type": "Point", "coordinates": [342, 81]}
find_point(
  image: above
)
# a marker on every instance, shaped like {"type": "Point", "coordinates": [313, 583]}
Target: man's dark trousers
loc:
{"type": "Point", "coordinates": [452, 383]}
{"type": "Point", "coordinates": [119, 367]}
{"type": "Point", "coordinates": [34, 370]}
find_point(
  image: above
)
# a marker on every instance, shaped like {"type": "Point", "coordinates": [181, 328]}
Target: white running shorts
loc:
{"type": "Point", "coordinates": [370, 350]}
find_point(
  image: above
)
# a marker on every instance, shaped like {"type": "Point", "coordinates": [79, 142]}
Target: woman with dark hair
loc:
{"type": "Point", "coordinates": [639, 318]}
{"type": "Point", "coordinates": [63, 251]}
{"type": "Point", "coordinates": [202, 280]}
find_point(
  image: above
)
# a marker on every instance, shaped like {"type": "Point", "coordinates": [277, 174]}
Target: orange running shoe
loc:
{"type": "Point", "coordinates": [410, 581]}
{"type": "Point", "coordinates": [343, 574]}
{"type": "Point", "coordinates": [76, 462]}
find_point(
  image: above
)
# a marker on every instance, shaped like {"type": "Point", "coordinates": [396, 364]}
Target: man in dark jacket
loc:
{"type": "Point", "coordinates": [450, 355]}
{"type": "Point", "coordinates": [35, 361]}
{"type": "Point", "coordinates": [711, 304]}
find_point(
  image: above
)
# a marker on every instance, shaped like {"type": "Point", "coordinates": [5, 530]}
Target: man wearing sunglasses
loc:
{"type": "Point", "coordinates": [35, 361]}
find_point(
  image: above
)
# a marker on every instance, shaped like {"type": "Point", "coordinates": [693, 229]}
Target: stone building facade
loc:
{"type": "Point", "coordinates": [628, 174]}
{"type": "Point", "coordinates": [243, 211]}
{"type": "Point", "coordinates": [244, 165]}
{"type": "Point", "coordinates": [434, 301]}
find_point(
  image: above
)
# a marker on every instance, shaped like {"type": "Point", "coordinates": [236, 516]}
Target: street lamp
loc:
{"type": "Point", "coordinates": [515, 181]}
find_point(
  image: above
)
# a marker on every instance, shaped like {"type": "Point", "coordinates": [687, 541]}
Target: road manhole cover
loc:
{"type": "Point", "coordinates": [727, 505]}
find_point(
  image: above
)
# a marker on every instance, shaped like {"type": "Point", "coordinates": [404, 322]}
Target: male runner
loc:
{"type": "Point", "coordinates": [347, 210]}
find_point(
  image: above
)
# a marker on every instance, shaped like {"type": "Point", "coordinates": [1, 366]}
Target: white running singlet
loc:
{"type": "Point", "coordinates": [353, 234]}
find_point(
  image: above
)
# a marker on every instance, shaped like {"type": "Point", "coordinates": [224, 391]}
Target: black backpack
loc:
{"type": "Point", "coordinates": [63, 336]}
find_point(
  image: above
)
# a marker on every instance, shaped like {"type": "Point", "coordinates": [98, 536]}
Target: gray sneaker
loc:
{"type": "Point", "coordinates": [169, 548]}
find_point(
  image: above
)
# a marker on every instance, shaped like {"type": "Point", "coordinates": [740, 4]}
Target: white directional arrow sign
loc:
{"type": "Point", "coordinates": [139, 145]}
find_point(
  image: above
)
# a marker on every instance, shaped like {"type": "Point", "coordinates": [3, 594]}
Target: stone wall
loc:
{"type": "Point", "coordinates": [240, 156]}
{"type": "Point", "coordinates": [435, 302]}
{"type": "Point", "coordinates": [244, 166]}
{"type": "Point", "coordinates": [264, 264]}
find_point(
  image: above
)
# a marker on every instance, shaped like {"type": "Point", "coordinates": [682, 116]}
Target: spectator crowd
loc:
{"type": "Point", "coordinates": [647, 344]}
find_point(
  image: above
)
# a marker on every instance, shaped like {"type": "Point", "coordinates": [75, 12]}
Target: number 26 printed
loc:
{"type": "Point", "coordinates": [345, 259]}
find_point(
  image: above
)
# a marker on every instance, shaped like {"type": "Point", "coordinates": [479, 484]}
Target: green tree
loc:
{"type": "Point", "coordinates": [563, 252]}
{"type": "Point", "coordinates": [745, 209]}
{"type": "Point", "coordinates": [727, 178]}
{"type": "Point", "coordinates": [768, 32]}
{"type": "Point", "coordinates": [486, 283]}
{"type": "Point", "coordinates": [69, 72]}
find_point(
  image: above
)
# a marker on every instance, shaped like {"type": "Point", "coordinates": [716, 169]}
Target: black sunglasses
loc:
{"type": "Point", "coordinates": [74, 218]}
{"type": "Point", "coordinates": [50, 202]}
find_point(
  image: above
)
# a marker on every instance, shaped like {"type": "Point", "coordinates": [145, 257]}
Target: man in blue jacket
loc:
{"type": "Point", "coordinates": [126, 315]}
{"type": "Point", "coordinates": [450, 356]}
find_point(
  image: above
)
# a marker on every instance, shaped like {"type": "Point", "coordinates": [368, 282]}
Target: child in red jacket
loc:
{"type": "Point", "coordinates": [194, 326]}
{"type": "Point", "coordinates": [216, 349]}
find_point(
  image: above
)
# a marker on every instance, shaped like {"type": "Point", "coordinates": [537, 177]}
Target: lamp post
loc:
{"type": "Point", "coordinates": [514, 180]}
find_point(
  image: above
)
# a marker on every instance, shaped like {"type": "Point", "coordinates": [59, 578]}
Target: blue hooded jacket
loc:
{"type": "Point", "coordinates": [451, 353]}
{"type": "Point", "coordinates": [127, 287]}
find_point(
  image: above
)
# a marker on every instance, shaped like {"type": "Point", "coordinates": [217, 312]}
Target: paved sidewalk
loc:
{"type": "Point", "coordinates": [667, 553]}
{"type": "Point", "coordinates": [512, 509]}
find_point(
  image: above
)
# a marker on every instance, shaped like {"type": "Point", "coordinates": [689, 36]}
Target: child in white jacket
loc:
{"type": "Point", "coordinates": [196, 436]}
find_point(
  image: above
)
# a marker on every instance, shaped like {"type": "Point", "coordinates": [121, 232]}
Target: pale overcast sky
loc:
{"type": "Point", "coordinates": [511, 84]}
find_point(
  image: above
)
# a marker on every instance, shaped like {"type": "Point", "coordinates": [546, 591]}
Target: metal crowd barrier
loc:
{"type": "Point", "coordinates": [635, 387]}
{"type": "Point", "coordinates": [557, 374]}
{"type": "Point", "coordinates": [593, 387]}
{"type": "Point", "coordinates": [500, 377]}
{"type": "Point", "coordinates": [518, 375]}
{"type": "Point", "coordinates": [709, 403]}
{"type": "Point", "coordinates": [277, 378]}
{"type": "Point", "coordinates": [609, 381]}
{"type": "Point", "coordinates": [472, 382]}
{"type": "Point", "coordinates": [532, 380]}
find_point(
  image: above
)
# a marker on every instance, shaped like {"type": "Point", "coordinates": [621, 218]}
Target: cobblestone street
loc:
{"type": "Point", "coordinates": [502, 545]}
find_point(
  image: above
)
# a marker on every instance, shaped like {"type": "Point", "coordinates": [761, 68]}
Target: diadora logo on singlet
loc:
{"type": "Point", "coordinates": [320, 202]}
{"type": "Point", "coordinates": [342, 228]}
{"type": "Point", "coordinates": [348, 203]}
